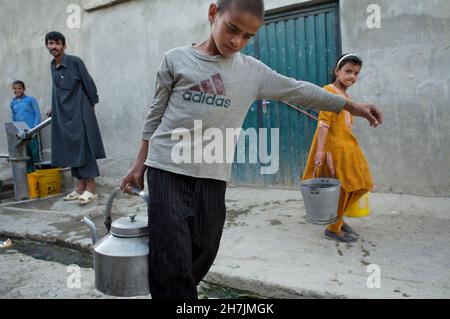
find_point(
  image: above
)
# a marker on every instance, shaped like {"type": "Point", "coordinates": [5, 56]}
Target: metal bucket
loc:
{"type": "Point", "coordinates": [321, 198]}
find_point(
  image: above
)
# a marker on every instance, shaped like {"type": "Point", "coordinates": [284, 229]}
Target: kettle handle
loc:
{"type": "Point", "coordinates": [108, 211]}
{"type": "Point", "coordinates": [109, 204]}
{"type": "Point", "coordinates": [139, 192]}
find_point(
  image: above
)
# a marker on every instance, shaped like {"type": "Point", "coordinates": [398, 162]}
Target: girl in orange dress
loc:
{"type": "Point", "coordinates": [335, 151]}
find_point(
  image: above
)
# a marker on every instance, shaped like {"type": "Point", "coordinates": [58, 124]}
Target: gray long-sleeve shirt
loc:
{"type": "Point", "coordinates": [192, 87]}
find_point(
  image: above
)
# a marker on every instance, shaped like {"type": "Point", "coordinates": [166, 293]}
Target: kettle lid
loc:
{"type": "Point", "coordinates": [132, 226]}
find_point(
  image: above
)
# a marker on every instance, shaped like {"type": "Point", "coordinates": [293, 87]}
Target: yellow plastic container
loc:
{"type": "Point", "coordinates": [359, 208]}
{"type": "Point", "coordinates": [33, 185]}
{"type": "Point", "coordinates": [49, 182]}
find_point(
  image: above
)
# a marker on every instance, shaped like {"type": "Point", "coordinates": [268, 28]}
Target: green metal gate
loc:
{"type": "Point", "coordinates": [302, 44]}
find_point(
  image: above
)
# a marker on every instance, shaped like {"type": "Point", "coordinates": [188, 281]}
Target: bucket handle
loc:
{"type": "Point", "coordinates": [315, 171]}
{"type": "Point", "coordinates": [109, 204]}
{"type": "Point", "coordinates": [329, 164]}
{"type": "Point", "coordinates": [314, 191]}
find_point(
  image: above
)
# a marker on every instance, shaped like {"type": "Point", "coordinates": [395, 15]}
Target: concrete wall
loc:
{"type": "Point", "coordinates": [406, 73]}
{"type": "Point", "coordinates": [122, 46]}
{"type": "Point", "coordinates": [23, 56]}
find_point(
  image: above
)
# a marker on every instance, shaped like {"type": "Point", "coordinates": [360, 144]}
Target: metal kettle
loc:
{"type": "Point", "coordinates": [121, 257]}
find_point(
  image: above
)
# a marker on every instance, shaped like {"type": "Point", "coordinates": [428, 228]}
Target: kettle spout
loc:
{"type": "Point", "coordinates": [92, 228]}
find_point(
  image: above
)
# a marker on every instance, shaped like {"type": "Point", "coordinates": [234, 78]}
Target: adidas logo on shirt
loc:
{"type": "Point", "coordinates": [210, 92]}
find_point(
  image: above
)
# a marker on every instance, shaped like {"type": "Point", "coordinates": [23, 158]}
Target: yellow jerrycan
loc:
{"type": "Point", "coordinates": [360, 208]}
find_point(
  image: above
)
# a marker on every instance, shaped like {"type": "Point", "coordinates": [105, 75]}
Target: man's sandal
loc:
{"type": "Point", "coordinates": [86, 198]}
{"type": "Point", "coordinates": [348, 229]}
{"type": "Point", "coordinates": [346, 238]}
{"type": "Point", "coordinates": [72, 196]}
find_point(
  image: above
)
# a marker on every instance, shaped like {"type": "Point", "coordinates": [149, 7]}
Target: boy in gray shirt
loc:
{"type": "Point", "coordinates": [209, 86]}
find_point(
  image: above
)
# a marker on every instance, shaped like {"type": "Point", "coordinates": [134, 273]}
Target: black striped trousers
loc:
{"type": "Point", "coordinates": [186, 218]}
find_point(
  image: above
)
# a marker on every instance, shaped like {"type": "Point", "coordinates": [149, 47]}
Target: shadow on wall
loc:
{"type": "Point", "coordinates": [5, 170]}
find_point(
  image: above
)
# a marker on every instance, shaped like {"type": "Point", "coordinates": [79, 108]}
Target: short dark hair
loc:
{"type": "Point", "coordinates": [19, 83]}
{"type": "Point", "coordinates": [341, 61]}
{"type": "Point", "coordinates": [254, 7]}
{"type": "Point", "coordinates": [55, 36]}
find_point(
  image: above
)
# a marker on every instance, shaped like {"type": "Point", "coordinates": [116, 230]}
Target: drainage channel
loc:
{"type": "Point", "coordinates": [65, 256]}
{"type": "Point", "coordinates": [47, 252]}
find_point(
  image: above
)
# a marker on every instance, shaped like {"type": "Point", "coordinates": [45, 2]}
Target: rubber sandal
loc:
{"type": "Point", "coordinates": [72, 196]}
{"type": "Point", "coordinates": [86, 198]}
{"type": "Point", "coordinates": [347, 238]}
{"type": "Point", "coordinates": [348, 229]}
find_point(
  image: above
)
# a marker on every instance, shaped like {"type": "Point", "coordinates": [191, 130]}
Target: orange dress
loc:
{"type": "Point", "coordinates": [350, 164]}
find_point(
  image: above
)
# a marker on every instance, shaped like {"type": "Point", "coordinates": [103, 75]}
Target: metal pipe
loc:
{"type": "Point", "coordinates": [36, 129]}
{"type": "Point", "coordinates": [19, 134]}
{"type": "Point", "coordinates": [297, 108]}
{"type": "Point", "coordinates": [19, 172]}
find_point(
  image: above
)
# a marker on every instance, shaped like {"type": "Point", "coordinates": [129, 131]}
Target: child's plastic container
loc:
{"type": "Point", "coordinates": [359, 208]}
{"type": "Point", "coordinates": [49, 182]}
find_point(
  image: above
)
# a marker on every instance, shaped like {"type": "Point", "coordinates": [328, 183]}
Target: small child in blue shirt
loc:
{"type": "Point", "coordinates": [26, 109]}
